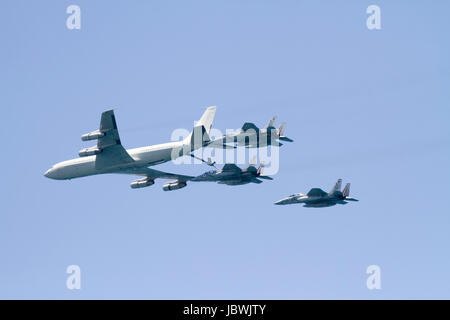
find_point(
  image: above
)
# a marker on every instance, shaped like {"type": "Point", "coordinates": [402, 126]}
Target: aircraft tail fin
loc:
{"type": "Point", "coordinates": [198, 138]}
{"type": "Point", "coordinates": [272, 122]}
{"type": "Point", "coordinates": [281, 129]}
{"type": "Point", "coordinates": [337, 187]}
{"type": "Point", "coordinates": [260, 174]}
{"type": "Point", "coordinates": [346, 191]}
{"type": "Point", "coordinates": [207, 119]}
{"type": "Point", "coordinates": [281, 135]}
{"type": "Point", "coordinates": [260, 169]}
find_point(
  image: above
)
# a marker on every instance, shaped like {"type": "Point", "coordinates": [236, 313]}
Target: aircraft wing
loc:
{"type": "Point", "coordinates": [113, 153]}
{"type": "Point", "coordinates": [154, 174]}
{"type": "Point", "coordinates": [220, 143]}
{"type": "Point", "coordinates": [316, 192]}
{"type": "Point", "coordinates": [231, 167]}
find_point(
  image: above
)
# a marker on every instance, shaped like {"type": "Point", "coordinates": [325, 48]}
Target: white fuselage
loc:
{"type": "Point", "coordinates": [143, 157]}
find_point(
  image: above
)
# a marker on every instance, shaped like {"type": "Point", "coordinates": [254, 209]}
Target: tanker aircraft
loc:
{"type": "Point", "coordinates": [109, 156]}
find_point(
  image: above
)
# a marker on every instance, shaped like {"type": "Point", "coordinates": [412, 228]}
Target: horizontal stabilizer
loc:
{"type": "Point", "coordinates": [286, 139]}
{"type": "Point", "coordinates": [254, 180]}
{"type": "Point", "coordinates": [265, 177]}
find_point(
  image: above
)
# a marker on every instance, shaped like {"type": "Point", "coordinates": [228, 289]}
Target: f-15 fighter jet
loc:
{"type": "Point", "coordinates": [317, 198]}
{"type": "Point", "coordinates": [109, 156]}
{"type": "Point", "coordinates": [232, 175]}
{"type": "Point", "coordinates": [251, 136]}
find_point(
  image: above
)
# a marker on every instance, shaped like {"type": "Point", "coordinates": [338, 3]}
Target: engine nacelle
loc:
{"type": "Point", "coordinates": [142, 183]}
{"type": "Point", "coordinates": [174, 186]}
{"type": "Point", "coordinates": [92, 135]}
{"type": "Point", "coordinates": [89, 151]}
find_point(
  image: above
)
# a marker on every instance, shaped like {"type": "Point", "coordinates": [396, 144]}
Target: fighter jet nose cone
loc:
{"type": "Point", "coordinates": [47, 173]}
{"type": "Point", "coordinates": [280, 202]}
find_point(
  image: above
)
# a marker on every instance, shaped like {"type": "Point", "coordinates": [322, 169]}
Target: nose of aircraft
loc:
{"type": "Point", "coordinates": [280, 202]}
{"type": "Point", "coordinates": [56, 173]}
{"type": "Point", "coordinates": [48, 173]}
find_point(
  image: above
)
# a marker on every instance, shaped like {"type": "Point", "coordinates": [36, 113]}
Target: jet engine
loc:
{"type": "Point", "coordinates": [89, 151]}
{"type": "Point", "coordinates": [174, 186]}
{"type": "Point", "coordinates": [92, 135]}
{"type": "Point", "coordinates": [142, 183]}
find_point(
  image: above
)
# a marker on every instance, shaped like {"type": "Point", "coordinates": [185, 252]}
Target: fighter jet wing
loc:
{"type": "Point", "coordinates": [316, 192]}
{"type": "Point", "coordinates": [113, 153]}
{"type": "Point", "coordinates": [231, 167]}
{"type": "Point", "coordinates": [154, 174]}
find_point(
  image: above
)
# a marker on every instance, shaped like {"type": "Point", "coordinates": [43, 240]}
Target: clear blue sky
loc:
{"type": "Point", "coordinates": [371, 107]}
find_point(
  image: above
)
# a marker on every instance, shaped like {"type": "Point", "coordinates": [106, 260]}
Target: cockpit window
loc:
{"type": "Point", "coordinates": [207, 173]}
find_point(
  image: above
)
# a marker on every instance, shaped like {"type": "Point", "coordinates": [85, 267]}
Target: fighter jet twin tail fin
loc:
{"type": "Point", "coordinates": [346, 193]}
{"type": "Point", "coordinates": [270, 126]}
{"type": "Point", "coordinates": [281, 135]}
{"type": "Point", "coordinates": [336, 188]}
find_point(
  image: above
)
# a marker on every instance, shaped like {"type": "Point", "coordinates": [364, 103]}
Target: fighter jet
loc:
{"type": "Point", "coordinates": [317, 198]}
{"type": "Point", "coordinates": [251, 136]}
{"type": "Point", "coordinates": [109, 156]}
{"type": "Point", "coordinates": [232, 175]}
